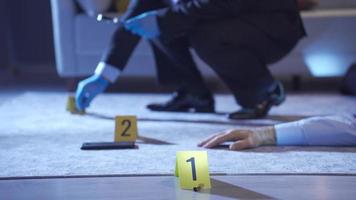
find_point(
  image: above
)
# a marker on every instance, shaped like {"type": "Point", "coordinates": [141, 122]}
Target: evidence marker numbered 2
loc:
{"type": "Point", "coordinates": [124, 138]}
{"type": "Point", "coordinates": [125, 129]}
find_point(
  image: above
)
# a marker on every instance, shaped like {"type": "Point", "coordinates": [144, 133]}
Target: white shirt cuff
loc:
{"type": "Point", "coordinates": [107, 71]}
{"type": "Point", "coordinates": [290, 134]}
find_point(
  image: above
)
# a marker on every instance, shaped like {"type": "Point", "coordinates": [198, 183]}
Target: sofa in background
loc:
{"type": "Point", "coordinates": [327, 51]}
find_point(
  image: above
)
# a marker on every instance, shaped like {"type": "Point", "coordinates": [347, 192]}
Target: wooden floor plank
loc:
{"type": "Point", "coordinates": [166, 187]}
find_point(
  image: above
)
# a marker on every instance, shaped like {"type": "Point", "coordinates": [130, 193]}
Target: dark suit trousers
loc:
{"type": "Point", "coordinates": [239, 53]}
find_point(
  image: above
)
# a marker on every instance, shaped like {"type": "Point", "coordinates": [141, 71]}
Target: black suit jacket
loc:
{"type": "Point", "coordinates": [279, 19]}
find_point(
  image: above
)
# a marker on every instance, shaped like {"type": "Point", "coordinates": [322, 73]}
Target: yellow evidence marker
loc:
{"type": "Point", "coordinates": [71, 106]}
{"type": "Point", "coordinates": [125, 128]}
{"type": "Point", "coordinates": [192, 170]}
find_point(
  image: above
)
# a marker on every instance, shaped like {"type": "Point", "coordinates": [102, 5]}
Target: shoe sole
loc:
{"type": "Point", "coordinates": [188, 110]}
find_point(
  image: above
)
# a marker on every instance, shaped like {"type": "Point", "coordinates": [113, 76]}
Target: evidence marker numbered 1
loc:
{"type": "Point", "coordinates": [125, 129]}
{"type": "Point", "coordinates": [192, 170]}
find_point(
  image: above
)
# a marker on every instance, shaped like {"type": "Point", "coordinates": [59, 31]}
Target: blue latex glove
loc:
{"type": "Point", "coordinates": [144, 25]}
{"type": "Point", "coordinates": [88, 89]}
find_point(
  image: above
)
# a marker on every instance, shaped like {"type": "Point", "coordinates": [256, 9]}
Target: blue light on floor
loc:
{"type": "Point", "coordinates": [325, 65]}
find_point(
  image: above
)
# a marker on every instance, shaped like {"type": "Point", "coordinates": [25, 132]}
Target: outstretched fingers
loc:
{"type": "Point", "coordinates": [202, 143]}
{"type": "Point", "coordinates": [240, 145]}
{"type": "Point", "coordinates": [223, 137]}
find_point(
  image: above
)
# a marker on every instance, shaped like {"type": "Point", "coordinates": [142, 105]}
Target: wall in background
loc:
{"type": "Point", "coordinates": [3, 36]}
{"type": "Point", "coordinates": [26, 32]}
{"type": "Point", "coordinates": [30, 41]}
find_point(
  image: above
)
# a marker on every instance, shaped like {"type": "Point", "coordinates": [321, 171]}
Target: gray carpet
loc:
{"type": "Point", "coordinates": [39, 138]}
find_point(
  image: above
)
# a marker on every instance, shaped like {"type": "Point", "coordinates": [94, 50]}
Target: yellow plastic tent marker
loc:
{"type": "Point", "coordinates": [71, 106]}
{"type": "Point", "coordinates": [192, 170]}
{"type": "Point", "coordinates": [125, 128]}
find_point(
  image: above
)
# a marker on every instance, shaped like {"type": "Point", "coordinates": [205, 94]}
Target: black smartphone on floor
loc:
{"type": "Point", "coordinates": [108, 145]}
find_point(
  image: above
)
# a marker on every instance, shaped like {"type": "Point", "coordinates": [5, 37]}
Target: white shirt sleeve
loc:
{"type": "Point", "coordinates": [338, 130]}
{"type": "Point", "coordinates": [107, 71]}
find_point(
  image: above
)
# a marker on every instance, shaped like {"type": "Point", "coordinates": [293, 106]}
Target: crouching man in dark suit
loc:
{"type": "Point", "coordinates": [236, 38]}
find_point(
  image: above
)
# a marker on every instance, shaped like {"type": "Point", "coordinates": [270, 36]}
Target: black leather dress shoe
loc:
{"type": "Point", "coordinates": [184, 102]}
{"type": "Point", "coordinates": [261, 110]}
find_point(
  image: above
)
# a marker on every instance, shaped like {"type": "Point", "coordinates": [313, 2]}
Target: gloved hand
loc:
{"type": "Point", "coordinates": [88, 89]}
{"type": "Point", "coordinates": [144, 25]}
{"type": "Point", "coordinates": [243, 139]}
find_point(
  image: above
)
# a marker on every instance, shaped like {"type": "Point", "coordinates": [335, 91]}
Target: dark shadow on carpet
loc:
{"type": "Point", "coordinates": [286, 118]}
{"type": "Point", "coordinates": [147, 140]}
{"type": "Point", "coordinates": [266, 149]}
{"type": "Point", "coordinates": [275, 149]}
{"type": "Point", "coordinates": [270, 120]}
